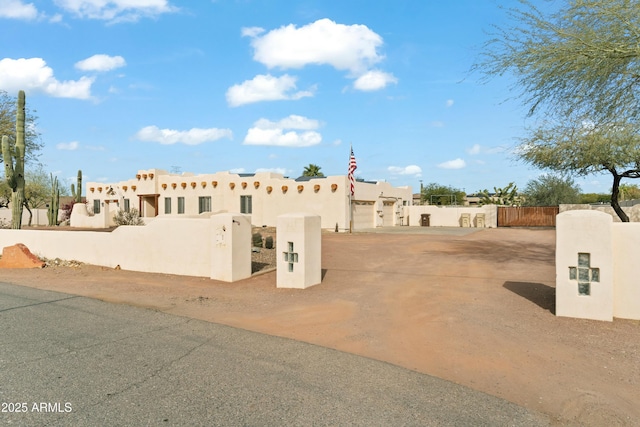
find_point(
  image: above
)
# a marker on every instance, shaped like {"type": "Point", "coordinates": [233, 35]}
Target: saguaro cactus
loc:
{"type": "Point", "coordinates": [77, 195]}
{"type": "Point", "coordinates": [14, 173]}
{"type": "Point", "coordinates": [54, 204]}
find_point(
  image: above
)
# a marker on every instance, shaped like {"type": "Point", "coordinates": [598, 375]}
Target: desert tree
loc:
{"type": "Point", "coordinates": [438, 194]}
{"type": "Point", "coordinates": [585, 149]}
{"type": "Point", "coordinates": [629, 192]}
{"type": "Point", "coordinates": [577, 68]}
{"type": "Point", "coordinates": [551, 190]}
{"type": "Point", "coordinates": [37, 190]}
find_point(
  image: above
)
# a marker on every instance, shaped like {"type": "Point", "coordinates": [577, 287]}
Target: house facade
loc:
{"type": "Point", "coordinates": [264, 195]}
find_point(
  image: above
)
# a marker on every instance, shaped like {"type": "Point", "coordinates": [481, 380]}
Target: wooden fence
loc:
{"type": "Point", "coordinates": [527, 216]}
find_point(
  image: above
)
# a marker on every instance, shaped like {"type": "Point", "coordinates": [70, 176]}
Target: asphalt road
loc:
{"type": "Point", "coordinates": [68, 360]}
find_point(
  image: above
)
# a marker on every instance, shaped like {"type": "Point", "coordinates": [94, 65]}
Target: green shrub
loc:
{"type": "Point", "coordinates": [256, 240]}
{"type": "Point", "coordinates": [128, 218]}
{"type": "Point", "coordinates": [268, 242]}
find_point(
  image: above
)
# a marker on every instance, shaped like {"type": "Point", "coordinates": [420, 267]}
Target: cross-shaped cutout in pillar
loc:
{"type": "Point", "coordinates": [290, 256]}
{"type": "Point", "coordinates": [584, 274]}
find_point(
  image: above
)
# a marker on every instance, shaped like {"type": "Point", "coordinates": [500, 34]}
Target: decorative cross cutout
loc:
{"type": "Point", "coordinates": [290, 257]}
{"type": "Point", "coordinates": [584, 274]}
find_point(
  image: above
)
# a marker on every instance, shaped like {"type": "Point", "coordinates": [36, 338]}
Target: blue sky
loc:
{"type": "Point", "coordinates": [253, 85]}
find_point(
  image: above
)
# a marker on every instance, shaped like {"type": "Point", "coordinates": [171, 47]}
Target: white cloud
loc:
{"type": "Point", "coordinates": [264, 88]}
{"type": "Point", "coordinates": [291, 122]}
{"type": "Point", "coordinates": [437, 124]}
{"type": "Point", "coordinates": [266, 132]}
{"type": "Point", "coordinates": [193, 136]}
{"type": "Point", "coordinates": [449, 103]}
{"type": "Point", "coordinates": [251, 31]}
{"type": "Point", "coordinates": [345, 47]}
{"type": "Point", "coordinates": [101, 63]}
{"type": "Point", "coordinates": [16, 9]}
{"type": "Point", "coordinates": [281, 171]}
{"type": "Point", "coordinates": [407, 170]}
{"type": "Point", "coordinates": [33, 74]}
{"type": "Point", "coordinates": [277, 137]}
{"type": "Point", "coordinates": [116, 10]}
{"type": "Point", "coordinates": [474, 150]}
{"type": "Point", "coordinates": [73, 145]}
{"type": "Point", "coordinates": [374, 80]}
{"type": "Point", "coordinates": [237, 170]}
{"type": "Point", "coordinates": [453, 164]}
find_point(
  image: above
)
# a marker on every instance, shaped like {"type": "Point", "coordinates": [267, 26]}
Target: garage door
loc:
{"type": "Point", "coordinates": [388, 214]}
{"type": "Point", "coordinates": [362, 214]}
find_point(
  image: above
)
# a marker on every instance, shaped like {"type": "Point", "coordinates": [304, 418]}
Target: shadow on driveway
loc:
{"type": "Point", "coordinates": [543, 296]}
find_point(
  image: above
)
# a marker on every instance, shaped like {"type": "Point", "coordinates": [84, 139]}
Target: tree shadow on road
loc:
{"type": "Point", "coordinates": [542, 295]}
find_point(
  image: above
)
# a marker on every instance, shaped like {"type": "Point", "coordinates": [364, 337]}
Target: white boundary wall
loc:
{"type": "Point", "coordinates": [39, 216]}
{"type": "Point", "coordinates": [626, 297]}
{"type": "Point", "coordinates": [632, 211]}
{"type": "Point", "coordinates": [612, 249]}
{"type": "Point", "coordinates": [167, 245]}
{"type": "Point", "coordinates": [81, 218]}
{"type": "Point", "coordinates": [450, 216]}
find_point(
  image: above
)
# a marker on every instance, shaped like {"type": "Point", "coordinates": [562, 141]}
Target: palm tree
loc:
{"type": "Point", "coordinates": [312, 170]}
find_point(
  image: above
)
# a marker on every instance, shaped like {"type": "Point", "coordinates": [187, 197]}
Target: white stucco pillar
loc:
{"type": "Point", "coordinates": [298, 249]}
{"type": "Point", "coordinates": [231, 247]}
{"type": "Point", "coordinates": [584, 265]}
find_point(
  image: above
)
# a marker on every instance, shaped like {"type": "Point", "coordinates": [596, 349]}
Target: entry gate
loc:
{"type": "Point", "coordinates": [527, 216]}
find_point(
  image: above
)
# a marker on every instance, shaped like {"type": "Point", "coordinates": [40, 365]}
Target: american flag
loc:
{"type": "Point", "coordinates": [352, 169]}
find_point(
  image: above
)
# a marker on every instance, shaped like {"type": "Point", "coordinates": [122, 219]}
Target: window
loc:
{"type": "Point", "coordinates": [167, 205]}
{"type": "Point", "coordinates": [127, 205]}
{"type": "Point", "coordinates": [204, 204]}
{"type": "Point", "coordinates": [96, 206]}
{"type": "Point", "coordinates": [245, 204]}
{"type": "Point", "coordinates": [180, 205]}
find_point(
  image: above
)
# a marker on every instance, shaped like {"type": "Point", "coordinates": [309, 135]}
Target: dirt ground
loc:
{"type": "Point", "coordinates": [477, 310]}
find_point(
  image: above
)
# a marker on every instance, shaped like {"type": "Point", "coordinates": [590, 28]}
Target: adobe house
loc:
{"type": "Point", "coordinates": [263, 195]}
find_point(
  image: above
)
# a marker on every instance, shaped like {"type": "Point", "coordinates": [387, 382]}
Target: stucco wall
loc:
{"type": "Point", "coordinates": [633, 212]}
{"type": "Point", "coordinates": [166, 245]}
{"type": "Point", "coordinates": [611, 248]}
{"type": "Point", "coordinates": [39, 216]}
{"type": "Point", "coordinates": [450, 216]}
{"type": "Point", "coordinates": [626, 238]}
{"type": "Point", "coordinates": [81, 218]}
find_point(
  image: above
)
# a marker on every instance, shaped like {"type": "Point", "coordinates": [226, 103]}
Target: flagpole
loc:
{"type": "Point", "coordinates": [350, 177]}
{"type": "Point", "coordinates": [350, 212]}
{"type": "Point", "coordinates": [352, 186]}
